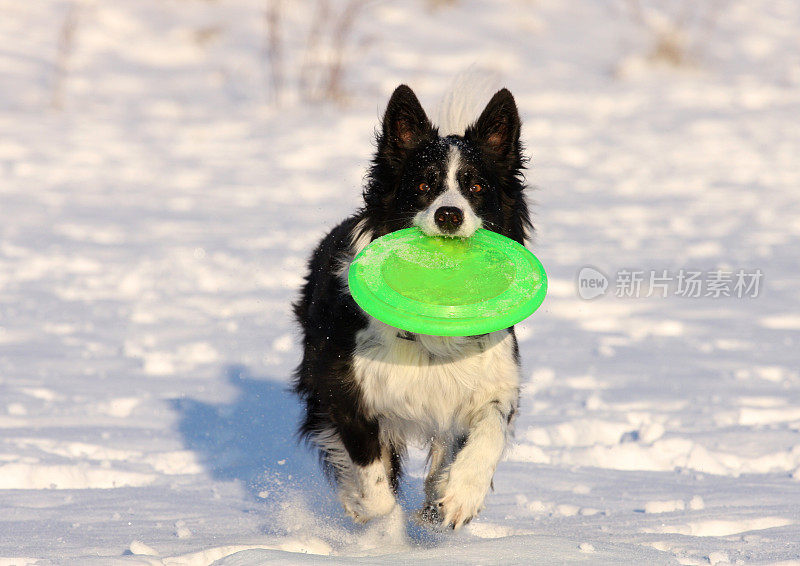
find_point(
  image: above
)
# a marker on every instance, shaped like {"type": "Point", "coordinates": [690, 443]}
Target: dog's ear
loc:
{"type": "Point", "coordinates": [497, 128]}
{"type": "Point", "coordinates": [405, 124]}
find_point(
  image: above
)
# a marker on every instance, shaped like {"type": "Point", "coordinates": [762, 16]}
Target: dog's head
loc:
{"type": "Point", "coordinates": [451, 185]}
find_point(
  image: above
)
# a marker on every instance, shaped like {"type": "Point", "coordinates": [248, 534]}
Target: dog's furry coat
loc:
{"type": "Point", "coordinates": [370, 388]}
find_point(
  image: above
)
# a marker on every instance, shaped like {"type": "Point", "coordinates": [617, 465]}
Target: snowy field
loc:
{"type": "Point", "coordinates": [157, 207]}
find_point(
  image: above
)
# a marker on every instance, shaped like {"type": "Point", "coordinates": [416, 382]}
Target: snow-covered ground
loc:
{"type": "Point", "coordinates": [156, 209]}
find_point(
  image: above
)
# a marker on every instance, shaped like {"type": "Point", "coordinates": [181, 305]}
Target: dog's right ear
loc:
{"type": "Point", "coordinates": [405, 124]}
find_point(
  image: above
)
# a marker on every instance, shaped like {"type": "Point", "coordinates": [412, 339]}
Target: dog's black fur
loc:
{"type": "Point", "coordinates": [409, 150]}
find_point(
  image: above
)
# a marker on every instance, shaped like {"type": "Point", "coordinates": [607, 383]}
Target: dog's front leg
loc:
{"type": "Point", "coordinates": [440, 457]}
{"type": "Point", "coordinates": [470, 475]}
{"type": "Point", "coordinates": [363, 468]}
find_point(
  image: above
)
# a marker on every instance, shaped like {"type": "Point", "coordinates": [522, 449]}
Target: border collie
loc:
{"type": "Point", "coordinates": [370, 389]}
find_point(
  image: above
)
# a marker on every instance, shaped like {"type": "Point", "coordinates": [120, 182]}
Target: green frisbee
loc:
{"type": "Point", "coordinates": [447, 286]}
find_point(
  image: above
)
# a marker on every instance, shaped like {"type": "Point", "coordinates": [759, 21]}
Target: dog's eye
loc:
{"type": "Point", "coordinates": [423, 188]}
{"type": "Point", "coordinates": [476, 188]}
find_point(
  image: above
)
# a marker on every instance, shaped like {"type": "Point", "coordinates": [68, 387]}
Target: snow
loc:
{"type": "Point", "coordinates": [156, 211]}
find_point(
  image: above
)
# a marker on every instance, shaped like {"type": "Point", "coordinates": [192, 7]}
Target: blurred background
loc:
{"type": "Point", "coordinates": [166, 166]}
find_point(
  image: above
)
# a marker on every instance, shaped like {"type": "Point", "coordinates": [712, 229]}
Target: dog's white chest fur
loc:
{"type": "Point", "coordinates": [431, 385]}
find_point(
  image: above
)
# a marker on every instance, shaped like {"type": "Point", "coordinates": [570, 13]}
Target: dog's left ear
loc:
{"type": "Point", "coordinates": [497, 129]}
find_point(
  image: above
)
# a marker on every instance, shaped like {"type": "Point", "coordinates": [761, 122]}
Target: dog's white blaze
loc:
{"type": "Point", "coordinates": [453, 163]}
{"type": "Point", "coordinates": [452, 196]}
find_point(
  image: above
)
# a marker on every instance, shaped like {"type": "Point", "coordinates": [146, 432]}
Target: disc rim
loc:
{"type": "Point", "coordinates": [378, 302]}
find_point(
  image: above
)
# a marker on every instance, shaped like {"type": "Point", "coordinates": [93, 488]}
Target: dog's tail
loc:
{"type": "Point", "coordinates": [469, 92]}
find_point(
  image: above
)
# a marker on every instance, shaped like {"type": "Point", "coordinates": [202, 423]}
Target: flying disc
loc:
{"type": "Point", "coordinates": [447, 286]}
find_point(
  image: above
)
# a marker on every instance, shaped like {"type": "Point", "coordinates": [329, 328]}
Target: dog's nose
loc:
{"type": "Point", "coordinates": [449, 218]}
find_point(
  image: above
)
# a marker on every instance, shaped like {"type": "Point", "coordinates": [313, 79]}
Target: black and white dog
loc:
{"type": "Point", "coordinates": [369, 389]}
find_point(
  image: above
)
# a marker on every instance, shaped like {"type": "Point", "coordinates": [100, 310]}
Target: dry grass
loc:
{"type": "Point", "coordinates": [66, 46]}
{"type": "Point", "coordinates": [677, 30]}
{"type": "Point", "coordinates": [322, 60]}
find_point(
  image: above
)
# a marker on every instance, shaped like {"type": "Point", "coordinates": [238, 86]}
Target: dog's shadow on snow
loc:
{"type": "Point", "coordinates": [253, 440]}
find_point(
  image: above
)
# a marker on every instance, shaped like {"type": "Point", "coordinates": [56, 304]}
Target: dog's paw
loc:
{"type": "Point", "coordinates": [428, 516]}
{"type": "Point", "coordinates": [365, 492]}
{"type": "Point", "coordinates": [364, 507]}
{"type": "Point", "coordinates": [461, 502]}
